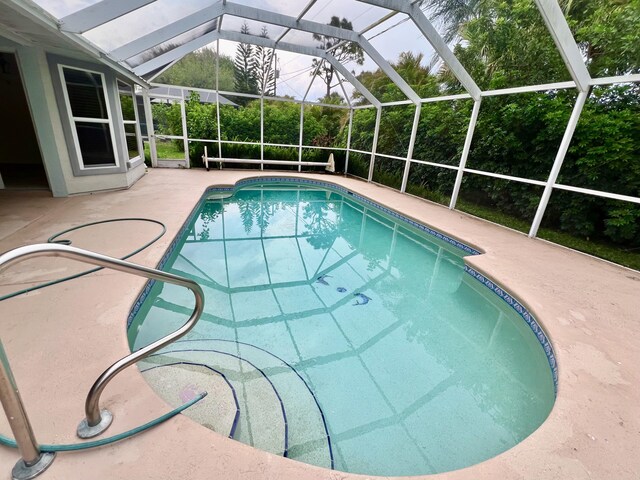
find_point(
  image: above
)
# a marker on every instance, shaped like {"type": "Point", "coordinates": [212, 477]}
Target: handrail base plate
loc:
{"type": "Point", "coordinates": [21, 471]}
{"type": "Point", "coordinates": [85, 431]}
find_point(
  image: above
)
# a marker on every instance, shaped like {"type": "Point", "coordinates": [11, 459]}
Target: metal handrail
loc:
{"type": "Point", "coordinates": [96, 421]}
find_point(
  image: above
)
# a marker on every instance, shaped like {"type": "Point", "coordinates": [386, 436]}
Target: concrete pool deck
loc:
{"type": "Point", "coordinates": [59, 339]}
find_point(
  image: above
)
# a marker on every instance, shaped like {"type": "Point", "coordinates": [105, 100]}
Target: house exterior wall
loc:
{"type": "Point", "coordinates": [52, 127]}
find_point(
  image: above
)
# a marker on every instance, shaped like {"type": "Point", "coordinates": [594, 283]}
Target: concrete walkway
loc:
{"type": "Point", "coordinates": [59, 339]}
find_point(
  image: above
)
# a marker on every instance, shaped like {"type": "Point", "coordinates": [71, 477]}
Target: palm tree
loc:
{"type": "Point", "coordinates": [454, 14]}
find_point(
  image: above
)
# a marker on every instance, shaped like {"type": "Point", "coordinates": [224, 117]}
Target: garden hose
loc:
{"type": "Point", "coordinates": [9, 442]}
{"type": "Point", "coordinates": [54, 239]}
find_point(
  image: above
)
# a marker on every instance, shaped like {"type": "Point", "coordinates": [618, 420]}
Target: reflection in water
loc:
{"type": "Point", "coordinates": [417, 369]}
{"type": "Point", "coordinates": [207, 216]}
{"type": "Point", "coordinates": [320, 224]}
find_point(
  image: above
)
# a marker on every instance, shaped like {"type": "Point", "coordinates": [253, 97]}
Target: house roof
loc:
{"type": "Point", "coordinates": [25, 23]}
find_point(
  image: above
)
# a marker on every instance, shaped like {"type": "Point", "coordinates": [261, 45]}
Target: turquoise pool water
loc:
{"type": "Point", "coordinates": [343, 337]}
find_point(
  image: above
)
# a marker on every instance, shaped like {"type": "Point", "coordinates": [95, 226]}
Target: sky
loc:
{"type": "Point", "coordinates": [390, 38]}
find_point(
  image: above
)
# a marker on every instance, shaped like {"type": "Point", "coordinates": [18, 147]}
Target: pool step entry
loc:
{"type": "Point", "coordinates": [179, 382]}
{"type": "Point", "coordinates": [260, 421]}
{"type": "Point", "coordinates": [308, 437]}
{"type": "Point", "coordinates": [278, 412]}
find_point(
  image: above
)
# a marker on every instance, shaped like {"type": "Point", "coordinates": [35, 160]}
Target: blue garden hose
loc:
{"type": "Point", "coordinates": [10, 442]}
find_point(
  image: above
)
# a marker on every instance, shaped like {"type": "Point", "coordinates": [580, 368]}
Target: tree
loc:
{"type": "Point", "coordinates": [333, 120]}
{"type": "Point", "coordinates": [264, 69]}
{"type": "Point", "coordinates": [409, 67]}
{"type": "Point", "coordinates": [608, 33]}
{"type": "Point", "coordinates": [500, 44]}
{"type": "Point", "coordinates": [347, 52]}
{"type": "Point", "coordinates": [515, 135]}
{"type": "Point", "coordinates": [198, 70]}
{"type": "Point", "coordinates": [245, 79]}
{"type": "Point", "coordinates": [506, 44]}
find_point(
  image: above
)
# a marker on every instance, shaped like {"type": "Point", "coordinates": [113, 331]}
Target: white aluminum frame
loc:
{"type": "Point", "coordinates": [565, 43]}
{"type": "Point", "coordinates": [434, 38]}
{"type": "Point", "coordinates": [288, 47]}
{"type": "Point", "coordinates": [151, 134]}
{"type": "Point", "coordinates": [135, 121]}
{"type": "Point", "coordinates": [153, 39]}
{"type": "Point", "coordinates": [172, 55]}
{"type": "Point", "coordinates": [52, 25]}
{"type": "Point", "coordinates": [220, 158]}
{"type": "Point", "coordinates": [346, 160]}
{"type": "Point", "coordinates": [218, 93]}
{"type": "Point", "coordinates": [98, 14]}
{"type": "Point", "coordinates": [551, 13]}
{"type": "Point", "coordinates": [557, 164]}
{"type": "Point", "coordinates": [185, 135]}
{"type": "Point", "coordinates": [412, 143]}
{"type": "Point", "coordinates": [374, 147]}
{"type": "Point", "coordinates": [465, 153]}
{"type": "Point", "coordinates": [272, 18]}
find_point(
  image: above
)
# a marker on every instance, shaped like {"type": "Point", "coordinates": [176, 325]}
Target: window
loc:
{"type": "Point", "coordinates": [86, 100]}
{"type": "Point", "coordinates": [131, 131]}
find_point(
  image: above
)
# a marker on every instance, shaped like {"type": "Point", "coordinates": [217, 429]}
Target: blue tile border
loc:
{"type": "Point", "coordinates": [167, 254]}
{"type": "Point", "coordinates": [496, 289]}
{"type": "Point", "coordinates": [526, 316]}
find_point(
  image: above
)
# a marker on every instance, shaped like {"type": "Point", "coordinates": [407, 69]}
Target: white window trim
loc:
{"type": "Point", "coordinates": [130, 122]}
{"type": "Point", "coordinates": [138, 139]}
{"type": "Point", "coordinates": [73, 120]}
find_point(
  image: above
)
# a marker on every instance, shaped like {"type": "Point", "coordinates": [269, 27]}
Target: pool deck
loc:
{"type": "Point", "coordinates": [59, 339]}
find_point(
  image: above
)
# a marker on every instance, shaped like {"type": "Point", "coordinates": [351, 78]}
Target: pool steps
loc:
{"type": "Point", "coordinates": [278, 412]}
{"type": "Point", "coordinates": [179, 380]}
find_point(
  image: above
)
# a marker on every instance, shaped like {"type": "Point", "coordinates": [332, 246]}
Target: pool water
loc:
{"type": "Point", "coordinates": [340, 336]}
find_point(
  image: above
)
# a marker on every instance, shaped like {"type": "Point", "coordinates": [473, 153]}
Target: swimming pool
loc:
{"type": "Point", "coordinates": [339, 334]}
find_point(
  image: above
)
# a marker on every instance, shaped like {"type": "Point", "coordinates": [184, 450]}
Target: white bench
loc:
{"type": "Point", "coordinates": [329, 165]}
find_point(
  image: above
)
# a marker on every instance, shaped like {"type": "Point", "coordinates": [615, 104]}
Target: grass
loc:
{"type": "Point", "coordinates": [613, 253]}
{"type": "Point", "coordinates": [420, 191]}
{"type": "Point", "coordinates": [165, 150]}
